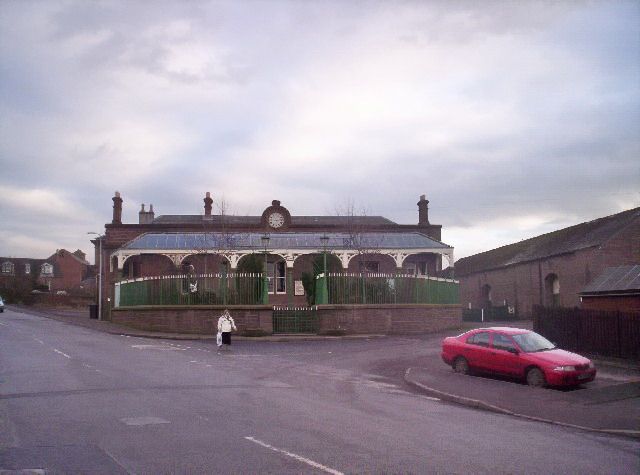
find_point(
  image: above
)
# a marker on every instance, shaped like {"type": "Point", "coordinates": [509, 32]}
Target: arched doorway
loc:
{"type": "Point", "coordinates": [552, 290]}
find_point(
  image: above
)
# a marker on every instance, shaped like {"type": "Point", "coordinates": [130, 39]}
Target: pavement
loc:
{"type": "Point", "coordinates": [610, 404]}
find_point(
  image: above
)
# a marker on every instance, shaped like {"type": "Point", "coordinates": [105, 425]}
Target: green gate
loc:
{"type": "Point", "coordinates": [295, 320]}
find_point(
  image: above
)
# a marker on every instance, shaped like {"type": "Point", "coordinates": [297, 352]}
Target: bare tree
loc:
{"type": "Point", "coordinates": [360, 237]}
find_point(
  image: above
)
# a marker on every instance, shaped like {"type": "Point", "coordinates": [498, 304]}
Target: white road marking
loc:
{"type": "Point", "coordinates": [39, 341]}
{"type": "Point", "coordinates": [431, 398]}
{"type": "Point", "coordinates": [144, 421]}
{"type": "Point", "coordinates": [295, 456]}
{"type": "Point", "coordinates": [3, 324]}
{"type": "Point", "coordinates": [63, 354]}
{"type": "Point", "coordinates": [156, 347]}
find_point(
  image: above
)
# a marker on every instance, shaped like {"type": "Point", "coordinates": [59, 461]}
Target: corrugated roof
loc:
{"type": "Point", "coordinates": [615, 279]}
{"type": "Point", "coordinates": [571, 239]}
{"type": "Point", "coordinates": [371, 241]}
{"type": "Point", "coordinates": [256, 220]}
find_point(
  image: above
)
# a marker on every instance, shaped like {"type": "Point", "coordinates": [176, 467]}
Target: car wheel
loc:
{"type": "Point", "coordinates": [461, 365]}
{"type": "Point", "coordinates": [535, 378]}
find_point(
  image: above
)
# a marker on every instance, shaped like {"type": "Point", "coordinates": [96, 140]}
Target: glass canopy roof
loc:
{"type": "Point", "coordinates": [297, 240]}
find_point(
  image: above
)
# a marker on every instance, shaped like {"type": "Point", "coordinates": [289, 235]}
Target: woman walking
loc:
{"type": "Point", "coordinates": [225, 325]}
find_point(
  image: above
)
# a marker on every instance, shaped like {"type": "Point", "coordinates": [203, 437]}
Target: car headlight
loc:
{"type": "Point", "coordinates": [564, 368]}
{"type": "Point", "coordinates": [591, 365]}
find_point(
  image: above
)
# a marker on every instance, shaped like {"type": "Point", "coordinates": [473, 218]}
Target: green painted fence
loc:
{"type": "Point", "coordinates": [204, 289]}
{"type": "Point", "coordinates": [295, 320]}
{"type": "Point", "coordinates": [344, 288]}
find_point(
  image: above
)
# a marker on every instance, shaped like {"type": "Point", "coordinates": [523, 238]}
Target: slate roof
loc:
{"type": "Point", "coordinates": [256, 220]}
{"type": "Point", "coordinates": [621, 279]}
{"type": "Point", "coordinates": [567, 240]}
{"type": "Point", "coordinates": [253, 241]}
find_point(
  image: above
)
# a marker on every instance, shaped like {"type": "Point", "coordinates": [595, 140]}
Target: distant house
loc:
{"type": "Point", "coordinates": [66, 270]}
{"type": "Point", "coordinates": [19, 268]}
{"type": "Point", "coordinates": [617, 289]}
{"type": "Point", "coordinates": [63, 270]}
{"type": "Point", "coordinates": [551, 269]}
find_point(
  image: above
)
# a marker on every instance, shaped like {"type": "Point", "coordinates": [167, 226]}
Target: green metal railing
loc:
{"type": "Point", "coordinates": [204, 289]}
{"type": "Point", "coordinates": [295, 320]}
{"type": "Point", "coordinates": [367, 288]}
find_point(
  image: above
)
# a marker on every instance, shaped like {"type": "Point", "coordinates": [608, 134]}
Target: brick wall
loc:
{"type": "Point", "coordinates": [389, 319]}
{"type": "Point", "coordinates": [200, 319]}
{"type": "Point", "coordinates": [523, 285]}
{"type": "Point", "coordinates": [622, 303]}
{"type": "Point", "coordinates": [351, 319]}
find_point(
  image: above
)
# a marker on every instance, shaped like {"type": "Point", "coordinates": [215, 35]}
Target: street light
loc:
{"type": "Point", "coordinates": [99, 275]}
{"type": "Point", "coordinates": [265, 288]}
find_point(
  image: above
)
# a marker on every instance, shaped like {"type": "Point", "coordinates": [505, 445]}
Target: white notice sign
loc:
{"type": "Point", "coordinates": [299, 288]}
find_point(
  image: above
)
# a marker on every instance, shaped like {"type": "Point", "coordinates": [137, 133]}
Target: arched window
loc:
{"type": "Point", "coordinates": [7, 268]}
{"type": "Point", "coordinates": [552, 290]}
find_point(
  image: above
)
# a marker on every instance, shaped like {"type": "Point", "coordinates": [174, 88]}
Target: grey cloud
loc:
{"type": "Point", "coordinates": [568, 142]}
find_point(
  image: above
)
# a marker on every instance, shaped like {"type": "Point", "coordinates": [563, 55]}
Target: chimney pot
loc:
{"type": "Point", "coordinates": [145, 217]}
{"type": "Point", "coordinates": [207, 204]}
{"type": "Point", "coordinates": [423, 211]}
{"type": "Point", "coordinates": [117, 209]}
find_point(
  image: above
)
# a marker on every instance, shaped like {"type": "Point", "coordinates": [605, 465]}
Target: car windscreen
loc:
{"type": "Point", "coordinates": [530, 342]}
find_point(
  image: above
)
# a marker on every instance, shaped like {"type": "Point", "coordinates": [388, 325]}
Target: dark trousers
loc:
{"type": "Point", "coordinates": [226, 338]}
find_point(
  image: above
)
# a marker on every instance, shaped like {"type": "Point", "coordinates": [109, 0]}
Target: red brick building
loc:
{"type": "Point", "coordinates": [62, 271]}
{"type": "Point", "coordinates": [551, 269]}
{"type": "Point", "coordinates": [208, 243]}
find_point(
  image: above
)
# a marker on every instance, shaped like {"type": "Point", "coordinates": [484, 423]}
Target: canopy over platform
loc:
{"type": "Point", "coordinates": [288, 245]}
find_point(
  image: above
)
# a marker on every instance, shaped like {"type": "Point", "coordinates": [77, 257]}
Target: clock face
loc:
{"type": "Point", "coordinates": [276, 220]}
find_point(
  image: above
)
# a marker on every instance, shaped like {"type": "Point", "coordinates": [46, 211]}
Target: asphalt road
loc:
{"type": "Point", "coordinates": [73, 400]}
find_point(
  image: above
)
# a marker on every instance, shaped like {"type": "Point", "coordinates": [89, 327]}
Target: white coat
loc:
{"type": "Point", "coordinates": [226, 324]}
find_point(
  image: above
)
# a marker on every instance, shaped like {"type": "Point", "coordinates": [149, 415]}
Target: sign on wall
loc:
{"type": "Point", "coordinates": [299, 288]}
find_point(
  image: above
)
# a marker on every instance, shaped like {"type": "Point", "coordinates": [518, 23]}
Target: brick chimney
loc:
{"type": "Point", "coordinates": [423, 211]}
{"type": "Point", "coordinates": [117, 209]}
{"type": "Point", "coordinates": [207, 206]}
{"type": "Point", "coordinates": [145, 217]}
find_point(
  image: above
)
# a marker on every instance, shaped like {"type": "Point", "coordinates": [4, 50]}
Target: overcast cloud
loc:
{"type": "Point", "coordinates": [514, 118]}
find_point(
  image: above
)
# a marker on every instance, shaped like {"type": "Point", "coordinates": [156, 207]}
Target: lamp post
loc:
{"type": "Point", "coordinates": [323, 296]}
{"type": "Point", "coordinates": [265, 287]}
{"type": "Point", "coordinates": [99, 274]}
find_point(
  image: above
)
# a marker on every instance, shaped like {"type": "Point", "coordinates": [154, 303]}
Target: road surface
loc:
{"type": "Point", "coordinates": [74, 400]}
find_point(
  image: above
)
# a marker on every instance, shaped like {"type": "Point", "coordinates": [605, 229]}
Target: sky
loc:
{"type": "Point", "coordinates": [513, 118]}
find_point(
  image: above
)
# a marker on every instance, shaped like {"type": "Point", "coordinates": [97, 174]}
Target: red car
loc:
{"type": "Point", "coordinates": [516, 352]}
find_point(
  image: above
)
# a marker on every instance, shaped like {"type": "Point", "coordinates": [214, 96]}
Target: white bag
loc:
{"type": "Point", "coordinates": [219, 339]}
